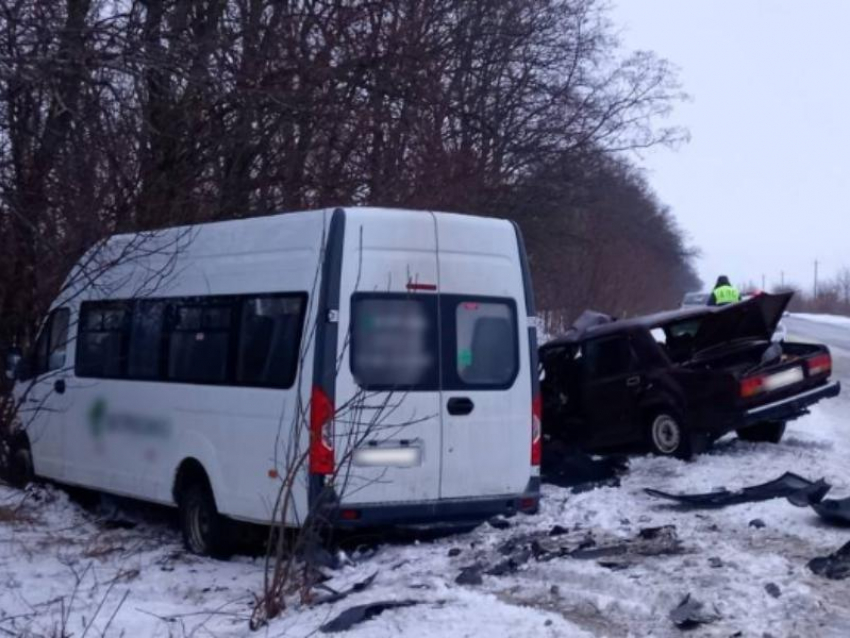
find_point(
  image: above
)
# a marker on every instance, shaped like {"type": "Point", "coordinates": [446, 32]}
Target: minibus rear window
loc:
{"type": "Point", "coordinates": [486, 353]}
{"type": "Point", "coordinates": [394, 342]}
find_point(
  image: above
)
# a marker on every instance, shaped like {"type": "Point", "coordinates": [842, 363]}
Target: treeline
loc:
{"type": "Point", "coordinates": [121, 115]}
{"type": "Point", "coordinates": [832, 296]}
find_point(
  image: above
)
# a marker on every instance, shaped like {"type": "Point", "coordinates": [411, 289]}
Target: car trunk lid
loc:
{"type": "Point", "coordinates": [755, 319]}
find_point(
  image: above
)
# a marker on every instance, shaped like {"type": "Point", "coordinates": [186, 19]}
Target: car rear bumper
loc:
{"type": "Point", "coordinates": [790, 407]}
{"type": "Point", "coordinates": [441, 513]}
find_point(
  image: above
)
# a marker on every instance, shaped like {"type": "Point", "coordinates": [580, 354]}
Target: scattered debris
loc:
{"type": "Point", "coordinates": [361, 613]}
{"type": "Point", "coordinates": [788, 485]}
{"type": "Point", "coordinates": [612, 553]}
{"type": "Point", "coordinates": [757, 523]}
{"type": "Point", "coordinates": [557, 530]}
{"type": "Point", "coordinates": [836, 566]}
{"type": "Point", "coordinates": [715, 562]}
{"type": "Point", "coordinates": [833, 511]}
{"type": "Point", "coordinates": [773, 590]}
{"type": "Point", "coordinates": [691, 612]}
{"type": "Point", "coordinates": [454, 551]}
{"type": "Point", "coordinates": [335, 596]}
{"type": "Point", "coordinates": [809, 495]}
{"type": "Point", "coordinates": [470, 576]}
{"type": "Point", "coordinates": [497, 522]}
{"type": "Point", "coordinates": [566, 467]}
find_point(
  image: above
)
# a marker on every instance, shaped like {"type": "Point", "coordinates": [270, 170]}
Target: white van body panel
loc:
{"type": "Point", "coordinates": [479, 257]}
{"type": "Point", "coordinates": [130, 437]}
{"type": "Point", "coordinates": [383, 252]}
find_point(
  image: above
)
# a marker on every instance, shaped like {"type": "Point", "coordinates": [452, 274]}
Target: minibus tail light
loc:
{"type": "Point", "coordinates": [321, 433]}
{"type": "Point", "coordinates": [536, 429]}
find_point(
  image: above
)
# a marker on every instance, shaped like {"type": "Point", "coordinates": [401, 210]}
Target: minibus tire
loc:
{"type": "Point", "coordinates": [205, 531]}
{"type": "Point", "coordinates": [21, 471]}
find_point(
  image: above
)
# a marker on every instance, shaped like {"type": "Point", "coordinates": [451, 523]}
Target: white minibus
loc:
{"type": "Point", "coordinates": [378, 363]}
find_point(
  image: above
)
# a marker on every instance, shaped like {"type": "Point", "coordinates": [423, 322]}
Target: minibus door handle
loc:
{"type": "Point", "coordinates": [460, 406]}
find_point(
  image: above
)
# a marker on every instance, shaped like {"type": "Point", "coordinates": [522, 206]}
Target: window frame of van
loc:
{"type": "Point", "coordinates": [452, 381]}
{"type": "Point", "coordinates": [431, 302]}
{"type": "Point", "coordinates": [445, 307]}
{"type": "Point", "coordinates": [32, 369]}
{"type": "Point", "coordinates": [235, 303]}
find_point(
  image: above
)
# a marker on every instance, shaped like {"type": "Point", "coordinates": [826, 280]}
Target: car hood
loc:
{"type": "Point", "coordinates": [754, 319]}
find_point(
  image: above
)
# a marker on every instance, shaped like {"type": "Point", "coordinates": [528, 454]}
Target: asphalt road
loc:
{"type": "Point", "coordinates": [838, 340]}
{"type": "Point", "coordinates": [836, 337]}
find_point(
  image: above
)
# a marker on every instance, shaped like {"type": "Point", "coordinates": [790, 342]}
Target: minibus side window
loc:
{"type": "Point", "coordinates": [394, 343]}
{"type": "Point", "coordinates": [145, 357]}
{"type": "Point", "coordinates": [101, 348]}
{"type": "Point", "coordinates": [270, 335]}
{"type": "Point", "coordinates": [199, 341]}
{"type": "Point", "coordinates": [486, 352]}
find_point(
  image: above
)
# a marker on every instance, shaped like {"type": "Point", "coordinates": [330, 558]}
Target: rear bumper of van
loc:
{"type": "Point", "coordinates": [448, 512]}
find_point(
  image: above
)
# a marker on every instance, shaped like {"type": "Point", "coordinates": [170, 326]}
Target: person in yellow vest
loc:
{"type": "Point", "coordinates": [724, 293]}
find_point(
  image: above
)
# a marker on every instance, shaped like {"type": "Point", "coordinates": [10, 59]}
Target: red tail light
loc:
{"type": "Point", "coordinates": [751, 387]}
{"type": "Point", "coordinates": [821, 364]}
{"type": "Point", "coordinates": [536, 430]}
{"type": "Point", "coordinates": [321, 433]}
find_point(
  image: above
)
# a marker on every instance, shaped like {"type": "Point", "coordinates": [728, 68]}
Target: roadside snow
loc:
{"type": "Point", "coordinates": [61, 565]}
{"type": "Point", "coordinates": [832, 320]}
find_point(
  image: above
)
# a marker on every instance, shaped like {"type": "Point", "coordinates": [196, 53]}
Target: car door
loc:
{"type": "Point", "coordinates": [611, 382]}
{"type": "Point", "coordinates": [43, 398]}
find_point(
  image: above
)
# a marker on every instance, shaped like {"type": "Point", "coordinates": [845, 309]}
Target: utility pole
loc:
{"type": "Point", "coordinates": [816, 279]}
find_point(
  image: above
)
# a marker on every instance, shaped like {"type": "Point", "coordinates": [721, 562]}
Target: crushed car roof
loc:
{"type": "Point", "coordinates": [756, 317]}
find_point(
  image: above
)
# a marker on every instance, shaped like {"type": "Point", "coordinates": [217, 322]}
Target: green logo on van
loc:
{"type": "Point", "coordinates": [97, 415]}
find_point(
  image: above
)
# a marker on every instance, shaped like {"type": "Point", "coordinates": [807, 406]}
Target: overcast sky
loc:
{"type": "Point", "coordinates": [764, 184]}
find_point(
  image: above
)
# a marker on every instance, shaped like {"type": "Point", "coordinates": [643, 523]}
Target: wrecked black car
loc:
{"type": "Point", "coordinates": [679, 380]}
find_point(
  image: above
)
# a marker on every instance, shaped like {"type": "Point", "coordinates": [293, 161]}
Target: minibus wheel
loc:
{"type": "Point", "coordinates": [205, 531]}
{"type": "Point", "coordinates": [21, 471]}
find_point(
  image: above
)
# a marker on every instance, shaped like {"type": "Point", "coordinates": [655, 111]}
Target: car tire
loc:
{"type": "Point", "coordinates": [205, 531]}
{"type": "Point", "coordinates": [669, 437]}
{"type": "Point", "coordinates": [768, 432]}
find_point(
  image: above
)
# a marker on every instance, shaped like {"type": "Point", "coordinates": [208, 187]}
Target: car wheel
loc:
{"type": "Point", "coordinates": [668, 437]}
{"type": "Point", "coordinates": [21, 471]}
{"type": "Point", "coordinates": [205, 531]}
{"type": "Point", "coordinates": [769, 432]}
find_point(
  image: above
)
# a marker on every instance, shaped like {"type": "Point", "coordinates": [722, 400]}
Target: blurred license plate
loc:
{"type": "Point", "coordinates": [387, 457]}
{"type": "Point", "coordinates": [783, 379]}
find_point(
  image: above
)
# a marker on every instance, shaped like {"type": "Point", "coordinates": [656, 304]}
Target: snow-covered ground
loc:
{"type": "Point", "coordinates": [64, 567]}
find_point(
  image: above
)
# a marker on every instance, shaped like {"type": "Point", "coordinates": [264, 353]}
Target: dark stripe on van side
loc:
{"type": "Point", "coordinates": [327, 332]}
{"type": "Point", "coordinates": [526, 273]}
{"type": "Point", "coordinates": [534, 373]}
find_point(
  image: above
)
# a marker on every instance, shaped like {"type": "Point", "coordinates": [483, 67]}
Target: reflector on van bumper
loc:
{"type": "Point", "coordinates": [387, 457]}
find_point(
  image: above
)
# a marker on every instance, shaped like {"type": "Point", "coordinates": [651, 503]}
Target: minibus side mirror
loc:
{"type": "Point", "coordinates": [14, 363]}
